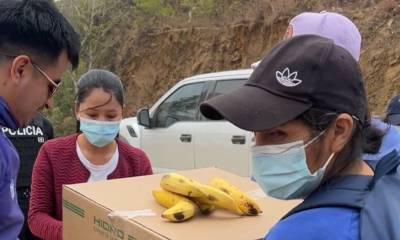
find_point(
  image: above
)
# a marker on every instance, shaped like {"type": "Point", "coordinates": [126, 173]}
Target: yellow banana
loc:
{"type": "Point", "coordinates": [180, 212]}
{"type": "Point", "coordinates": [204, 208]}
{"type": "Point", "coordinates": [167, 199]}
{"type": "Point", "coordinates": [218, 199]}
{"type": "Point", "coordinates": [245, 203]}
{"type": "Point", "coordinates": [179, 207]}
{"type": "Point", "coordinates": [177, 183]}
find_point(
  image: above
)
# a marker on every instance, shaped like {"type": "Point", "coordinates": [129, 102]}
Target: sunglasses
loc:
{"type": "Point", "coordinates": [52, 87]}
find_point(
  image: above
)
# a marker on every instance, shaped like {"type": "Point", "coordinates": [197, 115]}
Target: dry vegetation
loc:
{"type": "Point", "coordinates": [152, 46]}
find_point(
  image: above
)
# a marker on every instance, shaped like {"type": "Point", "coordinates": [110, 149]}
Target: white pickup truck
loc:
{"type": "Point", "coordinates": [175, 135]}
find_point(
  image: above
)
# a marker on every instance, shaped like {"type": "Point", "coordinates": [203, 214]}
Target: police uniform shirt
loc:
{"type": "Point", "coordinates": [27, 142]}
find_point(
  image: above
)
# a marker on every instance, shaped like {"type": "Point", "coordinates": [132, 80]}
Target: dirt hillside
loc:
{"type": "Point", "coordinates": [153, 60]}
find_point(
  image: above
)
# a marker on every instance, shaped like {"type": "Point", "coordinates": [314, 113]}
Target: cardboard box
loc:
{"type": "Point", "coordinates": [136, 215]}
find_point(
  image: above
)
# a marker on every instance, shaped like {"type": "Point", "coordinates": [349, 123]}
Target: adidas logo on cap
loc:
{"type": "Point", "coordinates": [287, 79]}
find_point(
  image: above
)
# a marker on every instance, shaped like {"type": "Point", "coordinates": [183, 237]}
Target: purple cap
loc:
{"type": "Point", "coordinates": [330, 25]}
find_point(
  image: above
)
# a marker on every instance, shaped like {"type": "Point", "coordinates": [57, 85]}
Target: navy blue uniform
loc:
{"type": "Point", "coordinates": [27, 141]}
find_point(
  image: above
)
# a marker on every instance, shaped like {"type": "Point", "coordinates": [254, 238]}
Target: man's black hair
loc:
{"type": "Point", "coordinates": [38, 29]}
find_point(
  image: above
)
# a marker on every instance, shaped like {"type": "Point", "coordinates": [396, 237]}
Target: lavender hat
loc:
{"type": "Point", "coordinates": [330, 25]}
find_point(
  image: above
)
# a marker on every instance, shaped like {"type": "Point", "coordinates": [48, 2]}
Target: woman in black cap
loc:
{"type": "Point", "coordinates": [307, 106]}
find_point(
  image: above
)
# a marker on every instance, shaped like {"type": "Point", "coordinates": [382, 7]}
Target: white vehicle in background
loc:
{"type": "Point", "coordinates": [175, 135]}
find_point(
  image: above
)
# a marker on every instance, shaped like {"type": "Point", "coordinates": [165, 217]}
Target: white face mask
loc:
{"type": "Point", "coordinates": [282, 171]}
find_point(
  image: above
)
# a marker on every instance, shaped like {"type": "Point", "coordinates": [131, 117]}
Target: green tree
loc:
{"type": "Point", "coordinates": [94, 20]}
{"type": "Point", "coordinates": [62, 115]}
{"type": "Point", "coordinates": [200, 8]}
{"type": "Point", "coordinates": [154, 8]}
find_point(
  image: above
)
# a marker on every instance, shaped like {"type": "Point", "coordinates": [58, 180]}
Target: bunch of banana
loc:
{"type": "Point", "coordinates": [181, 195]}
{"type": "Point", "coordinates": [177, 183]}
{"type": "Point", "coordinates": [179, 207]}
{"type": "Point", "coordinates": [245, 203]}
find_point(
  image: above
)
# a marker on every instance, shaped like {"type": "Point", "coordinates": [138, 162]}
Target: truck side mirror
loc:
{"type": "Point", "coordinates": [143, 117]}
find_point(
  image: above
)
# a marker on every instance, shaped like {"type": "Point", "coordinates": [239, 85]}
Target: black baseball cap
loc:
{"type": "Point", "coordinates": [300, 73]}
{"type": "Point", "coordinates": [393, 111]}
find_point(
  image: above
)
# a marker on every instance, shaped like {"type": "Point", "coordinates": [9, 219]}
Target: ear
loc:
{"type": "Point", "coordinates": [341, 131]}
{"type": "Point", "coordinates": [21, 69]}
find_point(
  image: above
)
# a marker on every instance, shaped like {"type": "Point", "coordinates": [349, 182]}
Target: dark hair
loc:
{"type": "Point", "coordinates": [365, 138]}
{"type": "Point", "coordinates": [99, 78]}
{"type": "Point", "coordinates": [38, 29]}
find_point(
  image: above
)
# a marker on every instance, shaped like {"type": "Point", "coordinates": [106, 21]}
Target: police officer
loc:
{"type": "Point", "coordinates": [37, 46]}
{"type": "Point", "coordinates": [27, 142]}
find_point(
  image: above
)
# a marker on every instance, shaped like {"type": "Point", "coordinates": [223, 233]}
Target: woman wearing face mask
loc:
{"type": "Point", "coordinates": [93, 154]}
{"type": "Point", "coordinates": [307, 106]}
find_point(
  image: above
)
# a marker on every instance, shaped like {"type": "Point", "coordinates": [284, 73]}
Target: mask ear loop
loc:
{"type": "Point", "coordinates": [328, 161]}
{"type": "Point", "coordinates": [325, 165]}
{"type": "Point", "coordinates": [329, 158]}
{"type": "Point", "coordinates": [314, 139]}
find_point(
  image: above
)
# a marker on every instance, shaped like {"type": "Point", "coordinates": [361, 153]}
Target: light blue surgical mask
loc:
{"type": "Point", "coordinates": [282, 171]}
{"type": "Point", "coordinates": [99, 133]}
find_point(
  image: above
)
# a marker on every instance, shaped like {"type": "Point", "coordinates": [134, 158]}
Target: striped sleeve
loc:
{"type": "Point", "coordinates": [41, 208]}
